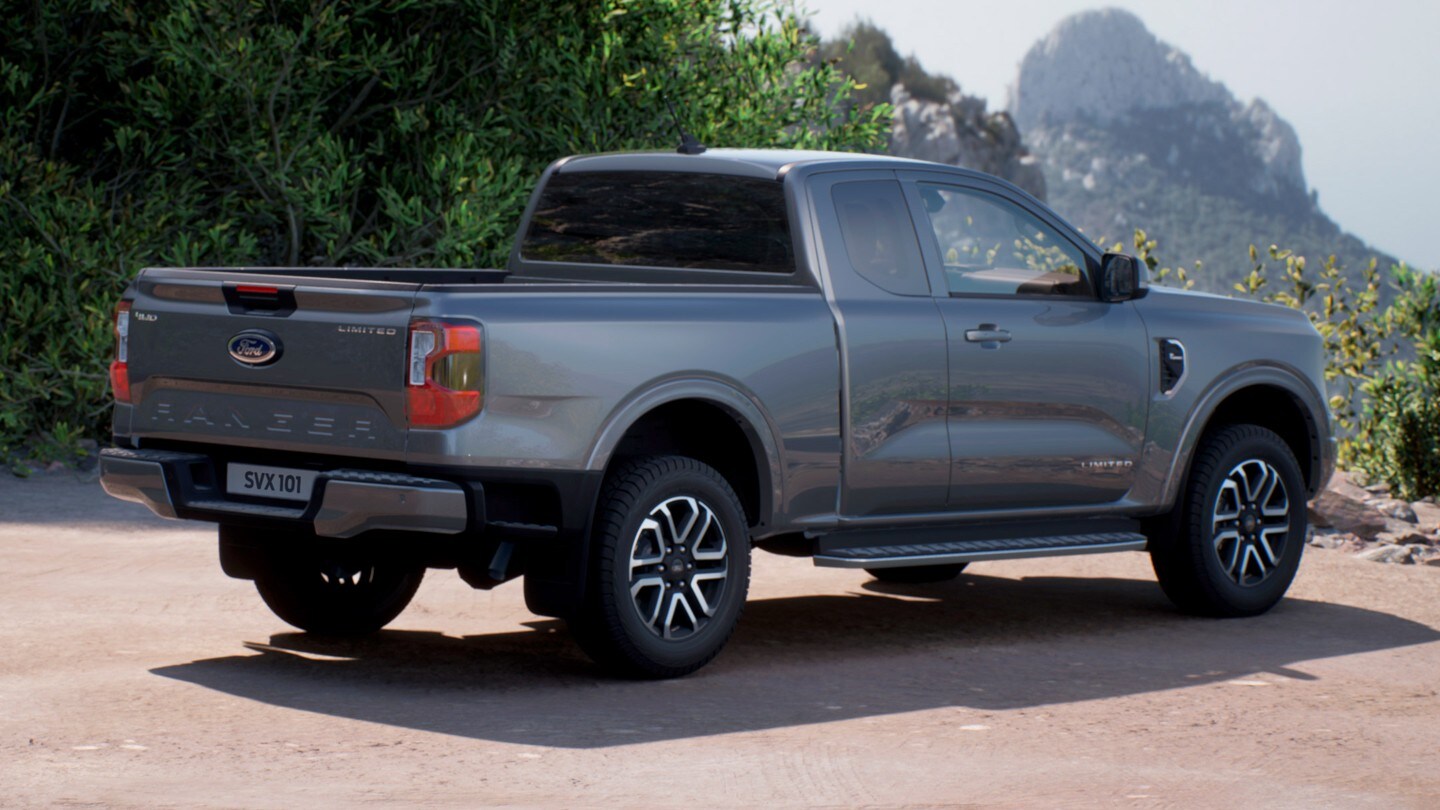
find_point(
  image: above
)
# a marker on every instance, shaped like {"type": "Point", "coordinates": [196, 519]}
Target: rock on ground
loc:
{"type": "Point", "coordinates": [1394, 508]}
{"type": "Point", "coordinates": [1402, 555]}
{"type": "Point", "coordinates": [1354, 519]}
{"type": "Point", "coordinates": [1427, 516]}
{"type": "Point", "coordinates": [1342, 506]}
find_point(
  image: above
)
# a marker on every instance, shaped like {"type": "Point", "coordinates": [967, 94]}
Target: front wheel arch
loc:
{"type": "Point", "coordinates": [1270, 397]}
{"type": "Point", "coordinates": [1280, 411]}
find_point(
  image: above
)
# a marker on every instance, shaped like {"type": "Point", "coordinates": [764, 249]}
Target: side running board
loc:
{"type": "Point", "coordinates": [960, 551]}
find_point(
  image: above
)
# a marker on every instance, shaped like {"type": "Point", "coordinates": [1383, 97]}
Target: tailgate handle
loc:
{"type": "Point", "coordinates": [259, 299]}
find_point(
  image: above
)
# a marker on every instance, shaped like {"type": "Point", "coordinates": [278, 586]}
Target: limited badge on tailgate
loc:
{"type": "Point", "coordinates": [269, 482]}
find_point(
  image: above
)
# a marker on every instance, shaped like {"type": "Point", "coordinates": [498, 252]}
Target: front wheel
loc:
{"type": "Point", "coordinates": [669, 569]}
{"type": "Point", "coordinates": [337, 593]}
{"type": "Point", "coordinates": [1233, 544]}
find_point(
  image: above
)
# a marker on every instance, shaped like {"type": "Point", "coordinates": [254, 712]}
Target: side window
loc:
{"type": "Point", "coordinates": [879, 237]}
{"type": "Point", "coordinates": [991, 246]}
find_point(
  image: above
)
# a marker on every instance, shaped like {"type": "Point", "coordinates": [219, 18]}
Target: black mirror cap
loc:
{"type": "Point", "coordinates": [1120, 278]}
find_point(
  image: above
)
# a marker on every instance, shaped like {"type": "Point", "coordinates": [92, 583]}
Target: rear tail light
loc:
{"type": "Point", "coordinates": [120, 366]}
{"type": "Point", "coordinates": [445, 379]}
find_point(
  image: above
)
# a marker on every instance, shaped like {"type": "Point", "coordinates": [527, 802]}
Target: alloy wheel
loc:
{"type": "Point", "coordinates": [1250, 522]}
{"type": "Point", "coordinates": [678, 567]}
{"type": "Point", "coordinates": [338, 575]}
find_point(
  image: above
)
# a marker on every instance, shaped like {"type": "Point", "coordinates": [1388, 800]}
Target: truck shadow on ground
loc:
{"type": "Point", "coordinates": [979, 643]}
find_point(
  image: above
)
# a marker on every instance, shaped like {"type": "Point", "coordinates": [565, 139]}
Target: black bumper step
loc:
{"type": "Point", "coordinates": [958, 551]}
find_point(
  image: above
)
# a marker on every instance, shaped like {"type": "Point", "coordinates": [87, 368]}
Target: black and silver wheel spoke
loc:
{"type": "Point", "coordinates": [338, 575]}
{"type": "Point", "coordinates": [1250, 521]}
{"type": "Point", "coordinates": [678, 567]}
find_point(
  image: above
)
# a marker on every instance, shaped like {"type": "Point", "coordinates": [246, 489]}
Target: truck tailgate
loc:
{"type": "Point", "coordinates": [263, 360]}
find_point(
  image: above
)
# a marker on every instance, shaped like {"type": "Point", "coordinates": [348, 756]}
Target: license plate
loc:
{"type": "Point", "coordinates": [269, 482]}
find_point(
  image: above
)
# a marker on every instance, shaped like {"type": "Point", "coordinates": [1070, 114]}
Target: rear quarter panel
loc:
{"type": "Point", "coordinates": [569, 366]}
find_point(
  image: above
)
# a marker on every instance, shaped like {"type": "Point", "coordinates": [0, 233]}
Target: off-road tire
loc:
{"type": "Point", "coordinates": [1196, 572]}
{"type": "Point", "coordinates": [610, 626]}
{"type": "Point", "coordinates": [917, 574]}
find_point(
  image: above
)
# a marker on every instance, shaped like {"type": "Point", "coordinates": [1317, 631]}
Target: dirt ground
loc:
{"type": "Point", "coordinates": [135, 674]}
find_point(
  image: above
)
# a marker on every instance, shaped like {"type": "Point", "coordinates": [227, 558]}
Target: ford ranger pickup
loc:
{"type": "Point", "coordinates": [877, 363]}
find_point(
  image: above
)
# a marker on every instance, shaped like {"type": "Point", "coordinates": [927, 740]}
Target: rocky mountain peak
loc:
{"type": "Point", "coordinates": [1103, 71]}
{"type": "Point", "coordinates": [933, 119]}
{"type": "Point", "coordinates": [1131, 133]}
{"type": "Point", "coordinates": [960, 131]}
{"type": "Point", "coordinates": [1101, 64]}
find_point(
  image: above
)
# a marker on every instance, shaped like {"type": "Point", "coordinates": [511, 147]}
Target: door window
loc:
{"type": "Point", "coordinates": [879, 237]}
{"type": "Point", "coordinates": [991, 246]}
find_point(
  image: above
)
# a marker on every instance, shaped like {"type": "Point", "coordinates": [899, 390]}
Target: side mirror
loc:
{"type": "Point", "coordinates": [1120, 278]}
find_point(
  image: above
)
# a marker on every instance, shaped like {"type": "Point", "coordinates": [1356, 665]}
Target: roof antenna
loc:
{"type": "Point", "coordinates": [688, 144]}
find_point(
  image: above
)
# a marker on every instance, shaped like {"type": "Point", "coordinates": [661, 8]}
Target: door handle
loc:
{"type": "Point", "coordinates": [988, 333]}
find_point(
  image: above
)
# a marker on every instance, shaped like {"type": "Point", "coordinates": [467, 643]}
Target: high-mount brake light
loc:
{"type": "Point", "coordinates": [445, 376]}
{"type": "Point", "coordinates": [120, 366]}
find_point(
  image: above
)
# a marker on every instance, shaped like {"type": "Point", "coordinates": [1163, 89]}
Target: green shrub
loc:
{"type": "Point", "coordinates": [1355, 331]}
{"type": "Point", "coordinates": [211, 132]}
{"type": "Point", "coordinates": [1404, 431]}
{"type": "Point", "coordinates": [1402, 412]}
{"type": "Point", "coordinates": [865, 52]}
{"type": "Point", "coordinates": [1177, 277]}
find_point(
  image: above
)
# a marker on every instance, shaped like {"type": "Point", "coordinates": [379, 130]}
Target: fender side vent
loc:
{"type": "Point", "coordinates": [1172, 366]}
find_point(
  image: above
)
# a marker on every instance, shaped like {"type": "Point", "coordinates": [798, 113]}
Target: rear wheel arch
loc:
{"type": "Point", "coordinates": [710, 422]}
{"type": "Point", "coordinates": [707, 420]}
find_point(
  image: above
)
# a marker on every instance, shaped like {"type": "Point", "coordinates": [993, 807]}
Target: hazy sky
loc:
{"type": "Point", "coordinates": [1360, 82]}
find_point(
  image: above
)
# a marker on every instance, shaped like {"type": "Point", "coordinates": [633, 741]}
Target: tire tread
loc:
{"type": "Point", "coordinates": [1179, 560]}
{"type": "Point", "coordinates": [310, 611]}
{"type": "Point", "coordinates": [598, 629]}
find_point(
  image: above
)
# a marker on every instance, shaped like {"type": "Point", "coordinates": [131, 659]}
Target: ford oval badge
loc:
{"type": "Point", "coordinates": [254, 347]}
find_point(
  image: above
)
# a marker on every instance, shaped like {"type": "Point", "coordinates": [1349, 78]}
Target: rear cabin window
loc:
{"type": "Point", "coordinates": [879, 237]}
{"type": "Point", "coordinates": [662, 219]}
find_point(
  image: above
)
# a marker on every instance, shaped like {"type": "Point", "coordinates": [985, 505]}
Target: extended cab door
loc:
{"type": "Point", "coordinates": [892, 347]}
{"type": "Point", "coordinates": [1048, 389]}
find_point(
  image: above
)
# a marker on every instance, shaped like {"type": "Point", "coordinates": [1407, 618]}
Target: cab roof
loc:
{"type": "Point", "coordinates": [763, 163]}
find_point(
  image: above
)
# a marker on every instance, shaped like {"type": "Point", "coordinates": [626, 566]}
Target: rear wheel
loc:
{"type": "Point", "coordinates": [340, 593]}
{"type": "Point", "coordinates": [1233, 544]}
{"type": "Point", "coordinates": [918, 574]}
{"type": "Point", "coordinates": [670, 567]}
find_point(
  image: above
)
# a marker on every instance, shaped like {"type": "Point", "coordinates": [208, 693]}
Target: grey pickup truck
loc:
{"type": "Point", "coordinates": [876, 363]}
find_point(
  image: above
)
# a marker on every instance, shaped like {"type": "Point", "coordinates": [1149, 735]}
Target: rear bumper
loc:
{"type": "Point", "coordinates": [345, 503]}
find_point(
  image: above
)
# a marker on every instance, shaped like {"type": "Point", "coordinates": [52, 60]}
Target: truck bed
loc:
{"type": "Point", "coordinates": [403, 275]}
